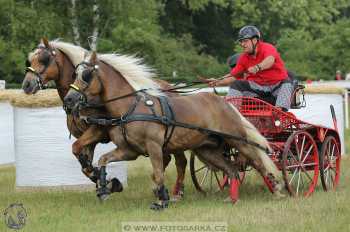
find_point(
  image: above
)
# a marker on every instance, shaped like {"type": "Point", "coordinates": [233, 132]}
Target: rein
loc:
{"type": "Point", "coordinates": [165, 119]}
{"type": "Point", "coordinates": [97, 105]}
{"type": "Point", "coordinates": [125, 119]}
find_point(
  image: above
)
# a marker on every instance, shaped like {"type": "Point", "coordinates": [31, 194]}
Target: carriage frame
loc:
{"type": "Point", "coordinates": [302, 151]}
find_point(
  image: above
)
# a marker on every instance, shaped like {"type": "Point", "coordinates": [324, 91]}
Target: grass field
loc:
{"type": "Point", "coordinates": [257, 210]}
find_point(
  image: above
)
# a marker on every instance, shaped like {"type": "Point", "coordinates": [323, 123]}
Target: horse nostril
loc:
{"type": "Point", "coordinates": [68, 100]}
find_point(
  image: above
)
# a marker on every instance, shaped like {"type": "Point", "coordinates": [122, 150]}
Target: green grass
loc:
{"type": "Point", "coordinates": [257, 210]}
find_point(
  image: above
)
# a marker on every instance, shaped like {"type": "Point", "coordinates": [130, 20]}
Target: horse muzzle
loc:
{"type": "Point", "coordinates": [30, 87]}
{"type": "Point", "coordinates": [71, 100]}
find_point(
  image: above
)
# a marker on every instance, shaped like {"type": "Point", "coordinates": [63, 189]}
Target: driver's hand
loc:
{"type": "Point", "coordinates": [213, 83]}
{"type": "Point", "coordinates": [205, 80]}
{"type": "Point", "coordinates": [253, 69]}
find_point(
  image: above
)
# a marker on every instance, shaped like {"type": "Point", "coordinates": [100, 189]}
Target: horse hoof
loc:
{"type": "Point", "coordinates": [230, 200]}
{"type": "Point", "coordinates": [278, 195]}
{"type": "Point", "coordinates": [159, 206]}
{"type": "Point", "coordinates": [103, 197]}
{"type": "Point", "coordinates": [116, 186]}
{"type": "Point", "coordinates": [176, 198]}
{"type": "Point", "coordinates": [103, 193]}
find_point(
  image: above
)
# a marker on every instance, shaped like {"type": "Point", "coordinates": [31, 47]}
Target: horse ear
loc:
{"type": "Point", "coordinates": [46, 42]}
{"type": "Point", "coordinates": [93, 57]}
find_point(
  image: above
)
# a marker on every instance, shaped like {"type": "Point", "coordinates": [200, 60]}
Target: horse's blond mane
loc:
{"type": "Point", "coordinates": [132, 68]}
{"type": "Point", "coordinates": [135, 72]}
{"type": "Point", "coordinates": [75, 53]}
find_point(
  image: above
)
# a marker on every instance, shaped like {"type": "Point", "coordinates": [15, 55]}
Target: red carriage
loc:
{"type": "Point", "coordinates": [302, 151]}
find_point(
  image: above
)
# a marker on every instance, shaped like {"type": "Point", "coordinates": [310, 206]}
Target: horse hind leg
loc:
{"type": "Point", "coordinates": [215, 157]}
{"type": "Point", "coordinates": [264, 165]}
{"type": "Point", "coordinates": [179, 187]}
{"type": "Point", "coordinates": [181, 162]}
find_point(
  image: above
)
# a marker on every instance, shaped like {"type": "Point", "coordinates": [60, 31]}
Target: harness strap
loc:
{"type": "Point", "coordinates": [167, 113]}
{"type": "Point", "coordinates": [123, 123]}
{"type": "Point", "coordinates": [166, 121]}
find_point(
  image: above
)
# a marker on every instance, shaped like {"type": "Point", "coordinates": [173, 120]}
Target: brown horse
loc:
{"type": "Point", "coordinates": [56, 61]}
{"type": "Point", "coordinates": [133, 99]}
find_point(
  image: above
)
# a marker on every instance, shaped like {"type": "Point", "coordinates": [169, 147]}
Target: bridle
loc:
{"type": "Point", "coordinates": [38, 75]}
{"type": "Point", "coordinates": [83, 101]}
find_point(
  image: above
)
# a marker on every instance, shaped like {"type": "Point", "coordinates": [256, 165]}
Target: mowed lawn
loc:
{"type": "Point", "coordinates": [257, 210]}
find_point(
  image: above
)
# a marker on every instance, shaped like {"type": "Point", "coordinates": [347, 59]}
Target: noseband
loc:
{"type": "Point", "coordinates": [38, 75]}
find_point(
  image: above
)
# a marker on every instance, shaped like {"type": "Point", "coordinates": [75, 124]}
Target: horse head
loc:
{"type": "Point", "coordinates": [87, 85]}
{"type": "Point", "coordinates": [109, 77]}
{"type": "Point", "coordinates": [42, 66]}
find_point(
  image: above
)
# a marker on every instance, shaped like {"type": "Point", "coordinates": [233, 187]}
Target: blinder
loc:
{"type": "Point", "coordinates": [44, 59]}
{"type": "Point", "coordinates": [86, 78]}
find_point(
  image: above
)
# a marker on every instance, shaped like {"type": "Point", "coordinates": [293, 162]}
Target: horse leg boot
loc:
{"type": "Point", "coordinates": [179, 188]}
{"type": "Point", "coordinates": [104, 187]}
{"type": "Point", "coordinates": [85, 159]}
{"type": "Point", "coordinates": [216, 158]}
{"type": "Point", "coordinates": [102, 191]}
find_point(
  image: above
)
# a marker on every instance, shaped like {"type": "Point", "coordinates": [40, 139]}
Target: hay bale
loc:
{"type": "Point", "coordinates": [6, 94]}
{"type": "Point", "coordinates": [44, 160]}
{"type": "Point", "coordinates": [320, 89]}
{"type": "Point", "coordinates": [43, 98]}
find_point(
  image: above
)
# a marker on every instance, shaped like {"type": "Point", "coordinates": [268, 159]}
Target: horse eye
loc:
{"type": "Point", "coordinates": [44, 58]}
{"type": "Point", "coordinates": [28, 64]}
{"type": "Point", "coordinates": [87, 75]}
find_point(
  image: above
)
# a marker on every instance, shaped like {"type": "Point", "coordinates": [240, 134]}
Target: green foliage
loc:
{"type": "Point", "coordinates": [191, 37]}
{"type": "Point", "coordinates": [318, 56]}
{"type": "Point", "coordinates": [164, 53]}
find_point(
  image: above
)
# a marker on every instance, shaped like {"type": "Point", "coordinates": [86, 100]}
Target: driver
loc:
{"type": "Point", "coordinates": [259, 71]}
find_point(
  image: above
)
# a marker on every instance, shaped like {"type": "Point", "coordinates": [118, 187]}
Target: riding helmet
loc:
{"type": "Point", "coordinates": [248, 32]}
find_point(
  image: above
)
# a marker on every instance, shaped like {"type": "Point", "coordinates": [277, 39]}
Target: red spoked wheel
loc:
{"type": "Point", "coordinates": [300, 164]}
{"type": "Point", "coordinates": [330, 163]}
{"type": "Point", "coordinates": [208, 179]}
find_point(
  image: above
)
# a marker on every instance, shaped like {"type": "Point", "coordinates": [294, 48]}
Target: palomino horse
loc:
{"type": "Point", "coordinates": [139, 115]}
{"type": "Point", "coordinates": [56, 61]}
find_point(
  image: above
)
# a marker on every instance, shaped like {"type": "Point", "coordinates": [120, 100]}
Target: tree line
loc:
{"type": "Point", "coordinates": [181, 39]}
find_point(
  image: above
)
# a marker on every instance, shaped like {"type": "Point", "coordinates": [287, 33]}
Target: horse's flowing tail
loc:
{"type": "Point", "coordinates": [254, 135]}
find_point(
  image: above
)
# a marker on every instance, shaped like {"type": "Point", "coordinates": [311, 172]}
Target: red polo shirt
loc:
{"type": "Point", "coordinates": [270, 76]}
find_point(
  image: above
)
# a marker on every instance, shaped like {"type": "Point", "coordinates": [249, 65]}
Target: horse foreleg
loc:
{"type": "Point", "coordinates": [87, 143]}
{"type": "Point", "coordinates": [104, 187]}
{"type": "Point", "coordinates": [156, 157]}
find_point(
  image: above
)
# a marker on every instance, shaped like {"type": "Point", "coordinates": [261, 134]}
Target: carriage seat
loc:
{"type": "Point", "coordinates": [297, 97]}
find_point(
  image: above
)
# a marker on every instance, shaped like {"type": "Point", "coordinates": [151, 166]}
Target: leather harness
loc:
{"type": "Point", "coordinates": [167, 118]}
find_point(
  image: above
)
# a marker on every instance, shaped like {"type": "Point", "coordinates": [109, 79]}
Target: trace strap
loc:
{"type": "Point", "coordinates": [165, 120]}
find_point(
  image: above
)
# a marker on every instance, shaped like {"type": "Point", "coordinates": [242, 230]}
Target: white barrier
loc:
{"type": "Point", "coordinates": [317, 112]}
{"type": "Point", "coordinates": [2, 84]}
{"type": "Point", "coordinates": [317, 109]}
{"type": "Point", "coordinates": [43, 151]}
{"type": "Point", "coordinates": [7, 147]}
